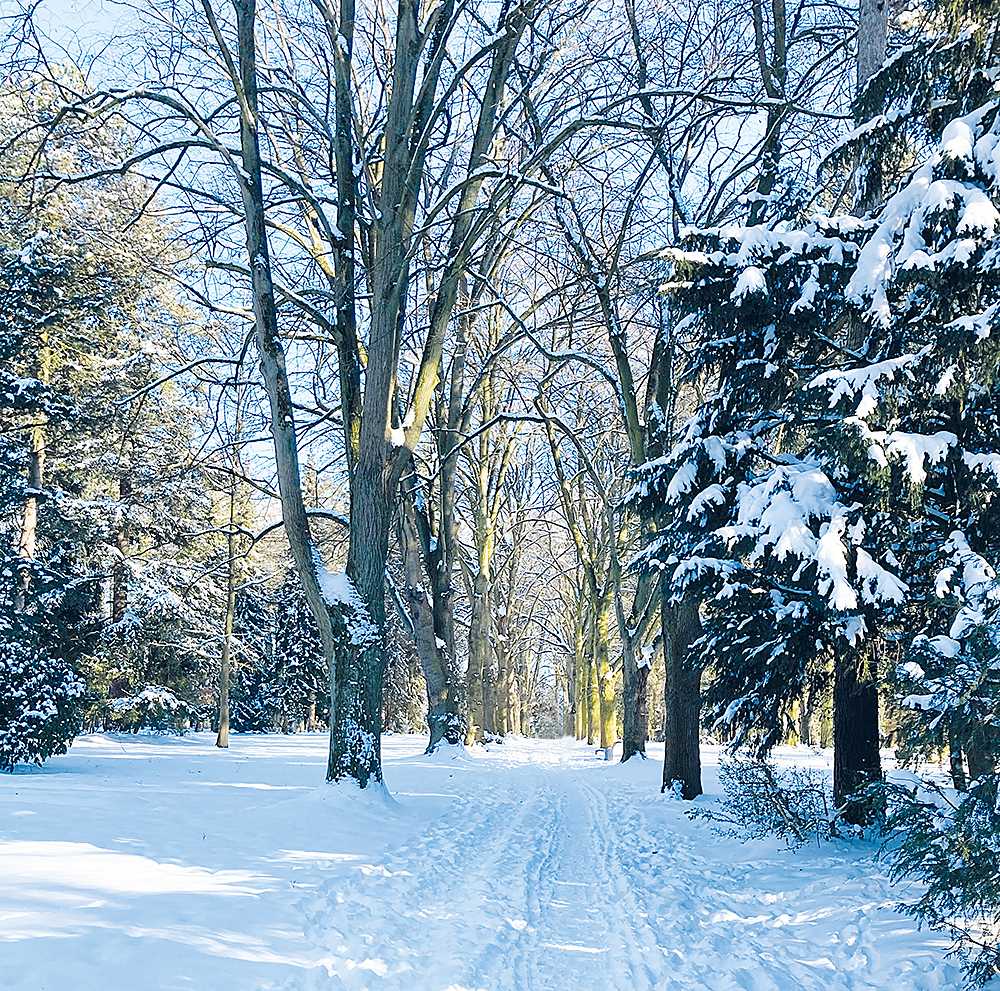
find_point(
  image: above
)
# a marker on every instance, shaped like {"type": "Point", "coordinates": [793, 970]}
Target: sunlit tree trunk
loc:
{"type": "Point", "coordinates": [227, 636]}
{"type": "Point", "coordinates": [28, 540]}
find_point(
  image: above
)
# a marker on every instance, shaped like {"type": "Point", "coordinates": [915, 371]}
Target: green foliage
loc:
{"type": "Point", "coordinates": [299, 673]}
{"type": "Point", "coordinates": [155, 708]}
{"type": "Point", "coordinates": [951, 842]}
{"type": "Point", "coordinates": [42, 695]}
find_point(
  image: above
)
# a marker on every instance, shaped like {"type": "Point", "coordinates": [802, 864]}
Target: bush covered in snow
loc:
{"type": "Point", "coordinates": [154, 708]}
{"type": "Point", "coordinates": [41, 700]}
{"type": "Point", "coordinates": [794, 805]}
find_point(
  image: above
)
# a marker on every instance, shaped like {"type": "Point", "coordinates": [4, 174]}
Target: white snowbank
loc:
{"type": "Point", "coordinates": [165, 863]}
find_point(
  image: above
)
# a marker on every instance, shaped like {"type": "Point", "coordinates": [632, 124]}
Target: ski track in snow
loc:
{"type": "Point", "coordinates": [531, 867]}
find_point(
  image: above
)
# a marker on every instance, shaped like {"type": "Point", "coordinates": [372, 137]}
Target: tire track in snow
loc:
{"type": "Point", "coordinates": [588, 935]}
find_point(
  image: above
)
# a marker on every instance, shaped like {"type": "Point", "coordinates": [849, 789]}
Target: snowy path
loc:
{"type": "Point", "coordinates": [164, 864]}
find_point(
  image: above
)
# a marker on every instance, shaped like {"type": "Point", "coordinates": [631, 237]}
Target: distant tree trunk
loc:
{"type": "Point", "coordinates": [430, 647]}
{"type": "Point", "coordinates": [593, 706]}
{"type": "Point", "coordinates": [227, 637]}
{"type": "Point", "coordinates": [605, 676]}
{"type": "Point", "coordinates": [635, 727]}
{"type": "Point", "coordinates": [956, 765]}
{"type": "Point", "coordinates": [805, 718]}
{"type": "Point", "coordinates": [490, 695]}
{"type": "Point", "coordinates": [681, 698]}
{"type": "Point", "coordinates": [120, 571]}
{"type": "Point", "coordinates": [28, 542]}
{"type": "Point", "coordinates": [27, 545]}
{"type": "Point", "coordinates": [856, 761]}
{"type": "Point", "coordinates": [479, 655]}
{"type": "Point", "coordinates": [569, 708]}
{"type": "Point", "coordinates": [635, 681]}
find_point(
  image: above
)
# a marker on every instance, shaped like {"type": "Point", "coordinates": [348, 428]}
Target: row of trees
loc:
{"type": "Point", "coordinates": [446, 226]}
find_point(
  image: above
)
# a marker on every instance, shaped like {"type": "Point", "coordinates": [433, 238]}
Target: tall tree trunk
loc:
{"type": "Point", "coordinates": [773, 73]}
{"type": "Point", "coordinates": [593, 701]}
{"type": "Point", "coordinates": [120, 572]}
{"type": "Point", "coordinates": [681, 698]}
{"type": "Point", "coordinates": [440, 694]}
{"type": "Point", "coordinates": [635, 725]}
{"type": "Point", "coordinates": [873, 23]}
{"type": "Point", "coordinates": [605, 675]}
{"type": "Point", "coordinates": [356, 750]}
{"type": "Point", "coordinates": [569, 707]}
{"type": "Point", "coordinates": [352, 754]}
{"type": "Point", "coordinates": [856, 761]}
{"type": "Point", "coordinates": [490, 695]}
{"type": "Point", "coordinates": [222, 740]}
{"type": "Point", "coordinates": [479, 657]}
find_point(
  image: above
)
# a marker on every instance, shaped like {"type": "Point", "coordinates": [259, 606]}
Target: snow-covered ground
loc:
{"type": "Point", "coordinates": [155, 863]}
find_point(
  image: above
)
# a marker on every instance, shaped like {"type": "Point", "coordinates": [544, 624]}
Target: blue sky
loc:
{"type": "Point", "coordinates": [80, 28]}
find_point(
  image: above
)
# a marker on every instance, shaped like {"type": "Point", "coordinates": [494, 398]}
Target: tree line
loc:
{"type": "Point", "coordinates": [627, 344]}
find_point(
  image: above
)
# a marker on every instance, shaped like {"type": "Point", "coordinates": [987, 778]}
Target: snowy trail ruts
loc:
{"type": "Point", "coordinates": [511, 889]}
{"type": "Point", "coordinates": [556, 876]}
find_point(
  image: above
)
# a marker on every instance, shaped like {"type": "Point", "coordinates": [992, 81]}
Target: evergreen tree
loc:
{"type": "Point", "coordinates": [42, 695]}
{"type": "Point", "coordinates": [97, 458]}
{"type": "Point", "coordinates": [299, 671]}
{"type": "Point", "coordinates": [839, 489]}
{"type": "Point", "coordinates": [851, 427]}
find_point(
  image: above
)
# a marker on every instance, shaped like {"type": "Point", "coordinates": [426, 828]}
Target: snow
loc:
{"type": "Point", "coordinates": [336, 587]}
{"type": "Point", "coordinates": [165, 863]}
{"type": "Point", "coordinates": [914, 449]}
{"type": "Point", "coordinates": [831, 559]}
{"type": "Point", "coordinates": [750, 281]}
{"type": "Point", "coordinates": [982, 462]}
{"type": "Point", "coordinates": [865, 380]}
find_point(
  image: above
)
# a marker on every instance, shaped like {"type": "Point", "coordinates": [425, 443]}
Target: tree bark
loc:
{"type": "Point", "coordinates": [856, 761]}
{"type": "Point", "coordinates": [873, 24]}
{"type": "Point", "coordinates": [635, 725]}
{"type": "Point", "coordinates": [605, 676]}
{"type": "Point", "coordinates": [28, 542]}
{"type": "Point", "coordinates": [773, 73]}
{"type": "Point", "coordinates": [681, 699]}
{"type": "Point", "coordinates": [328, 617]}
{"type": "Point", "coordinates": [222, 740]}
{"type": "Point", "coordinates": [440, 696]}
{"type": "Point", "coordinates": [479, 654]}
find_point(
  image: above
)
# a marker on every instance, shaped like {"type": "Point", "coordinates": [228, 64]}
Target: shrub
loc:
{"type": "Point", "coordinates": [155, 708]}
{"type": "Point", "coordinates": [41, 703]}
{"type": "Point", "coordinates": [950, 840]}
{"type": "Point", "coordinates": [760, 801]}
